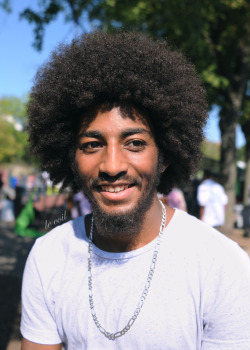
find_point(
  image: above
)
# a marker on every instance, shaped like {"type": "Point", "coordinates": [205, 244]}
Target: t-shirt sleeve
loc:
{"type": "Point", "coordinates": [37, 323]}
{"type": "Point", "coordinates": [224, 197]}
{"type": "Point", "coordinates": [203, 195]}
{"type": "Point", "coordinates": [227, 302]}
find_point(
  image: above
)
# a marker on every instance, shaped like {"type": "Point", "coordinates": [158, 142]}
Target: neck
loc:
{"type": "Point", "coordinates": [144, 234]}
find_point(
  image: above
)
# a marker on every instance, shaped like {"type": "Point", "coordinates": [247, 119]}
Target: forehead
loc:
{"type": "Point", "coordinates": [115, 118]}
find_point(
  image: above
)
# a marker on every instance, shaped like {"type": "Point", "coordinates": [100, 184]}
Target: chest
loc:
{"type": "Point", "coordinates": [170, 317]}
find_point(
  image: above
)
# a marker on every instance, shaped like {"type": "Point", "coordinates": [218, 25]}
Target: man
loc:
{"type": "Point", "coordinates": [121, 118]}
{"type": "Point", "coordinates": [212, 200]}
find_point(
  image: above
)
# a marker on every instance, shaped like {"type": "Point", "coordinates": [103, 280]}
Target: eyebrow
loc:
{"type": "Point", "coordinates": [95, 134]}
{"type": "Point", "coordinates": [128, 132]}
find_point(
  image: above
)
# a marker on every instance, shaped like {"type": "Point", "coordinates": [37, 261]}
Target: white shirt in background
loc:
{"type": "Point", "coordinates": [212, 197]}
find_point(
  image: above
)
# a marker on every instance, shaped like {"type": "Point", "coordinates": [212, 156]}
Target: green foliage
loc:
{"type": "Point", "coordinates": [240, 153]}
{"type": "Point", "coordinates": [14, 106]}
{"type": "Point", "coordinates": [40, 19]}
{"type": "Point", "coordinates": [211, 150]}
{"type": "Point", "coordinates": [214, 34]}
{"type": "Point", "coordinates": [13, 142]}
{"type": "Point", "coordinates": [10, 147]}
{"type": "Point", "coordinates": [5, 5]}
{"type": "Point", "coordinates": [216, 81]}
{"type": "Point", "coordinates": [48, 10]}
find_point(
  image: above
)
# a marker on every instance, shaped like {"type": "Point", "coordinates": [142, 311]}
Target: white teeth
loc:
{"type": "Point", "coordinates": [113, 189]}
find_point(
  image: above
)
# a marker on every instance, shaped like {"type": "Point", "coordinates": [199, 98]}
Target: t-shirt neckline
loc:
{"type": "Point", "coordinates": [133, 253]}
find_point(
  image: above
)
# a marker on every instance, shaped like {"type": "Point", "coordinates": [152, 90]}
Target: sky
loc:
{"type": "Point", "coordinates": [19, 61]}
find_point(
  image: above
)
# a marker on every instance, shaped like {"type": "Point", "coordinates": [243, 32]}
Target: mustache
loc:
{"type": "Point", "coordinates": [96, 182]}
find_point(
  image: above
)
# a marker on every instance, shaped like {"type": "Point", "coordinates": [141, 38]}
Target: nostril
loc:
{"type": "Point", "coordinates": [104, 176]}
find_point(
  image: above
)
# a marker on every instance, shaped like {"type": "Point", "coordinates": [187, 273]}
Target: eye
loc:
{"type": "Point", "coordinates": [89, 147]}
{"type": "Point", "coordinates": [135, 145]}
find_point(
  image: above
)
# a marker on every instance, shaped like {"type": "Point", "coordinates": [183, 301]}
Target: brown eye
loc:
{"type": "Point", "coordinates": [136, 145]}
{"type": "Point", "coordinates": [90, 146]}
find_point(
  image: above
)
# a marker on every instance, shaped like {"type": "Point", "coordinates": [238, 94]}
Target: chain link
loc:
{"type": "Point", "coordinates": [113, 336]}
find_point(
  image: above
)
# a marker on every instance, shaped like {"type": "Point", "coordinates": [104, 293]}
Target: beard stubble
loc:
{"type": "Point", "coordinates": [125, 224]}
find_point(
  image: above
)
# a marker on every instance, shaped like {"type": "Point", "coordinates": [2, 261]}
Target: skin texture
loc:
{"type": "Point", "coordinates": [202, 212]}
{"type": "Point", "coordinates": [123, 152]}
{"type": "Point", "coordinates": [28, 345]}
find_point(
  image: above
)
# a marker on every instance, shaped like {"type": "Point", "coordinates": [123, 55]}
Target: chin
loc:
{"type": "Point", "coordinates": [118, 209]}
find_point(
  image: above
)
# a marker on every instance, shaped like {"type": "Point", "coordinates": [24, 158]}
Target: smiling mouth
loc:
{"type": "Point", "coordinates": [114, 189]}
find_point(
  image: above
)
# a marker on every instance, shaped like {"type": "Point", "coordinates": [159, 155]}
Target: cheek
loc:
{"type": "Point", "coordinates": [85, 166]}
{"type": "Point", "coordinates": [147, 168]}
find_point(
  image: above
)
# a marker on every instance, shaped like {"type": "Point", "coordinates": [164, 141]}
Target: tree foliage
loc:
{"type": "Point", "coordinates": [214, 34]}
{"type": "Point", "coordinates": [13, 140]}
{"type": "Point", "coordinates": [8, 145]}
{"type": "Point", "coordinates": [14, 106]}
{"type": "Point", "coordinates": [48, 10]}
{"type": "Point", "coordinates": [5, 5]}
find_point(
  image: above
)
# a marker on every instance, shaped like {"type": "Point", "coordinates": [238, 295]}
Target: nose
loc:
{"type": "Point", "coordinates": [113, 161]}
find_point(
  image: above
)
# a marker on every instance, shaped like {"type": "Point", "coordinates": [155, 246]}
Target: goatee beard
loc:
{"type": "Point", "coordinates": [122, 224]}
{"type": "Point", "coordinates": [125, 224]}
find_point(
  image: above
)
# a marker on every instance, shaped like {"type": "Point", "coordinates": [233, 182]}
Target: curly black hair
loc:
{"type": "Point", "coordinates": [126, 69]}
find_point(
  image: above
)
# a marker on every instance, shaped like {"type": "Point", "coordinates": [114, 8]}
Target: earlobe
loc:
{"type": "Point", "coordinates": [164, 167]}
{"type": "Point", "coordinates": [73, 168]}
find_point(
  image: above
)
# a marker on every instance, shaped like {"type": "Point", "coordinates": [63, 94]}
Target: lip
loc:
{"type": "Point", "coordinates": [115, 184]}
{"type": "Point", "coordinates": [114, 187]}
{"type": "Point", "coordinates": [118, 196]}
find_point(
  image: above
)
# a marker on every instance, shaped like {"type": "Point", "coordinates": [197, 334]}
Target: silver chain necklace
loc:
{"type": "Point", "coordinates": [113, 336]}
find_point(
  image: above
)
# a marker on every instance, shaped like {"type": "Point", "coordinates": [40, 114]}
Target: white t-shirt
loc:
{"type": "Point", "coordinates": [199, 296]}
{"type": "Point", "coordinates": [213, 198]}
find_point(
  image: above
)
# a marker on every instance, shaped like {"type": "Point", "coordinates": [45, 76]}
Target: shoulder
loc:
{"type": "Point", "coordinates": [71, 229]}
{"type": "Point", "coordinates": [203, 240]}
{"type": "Point", "coordinates": [219, 187]}
{"type": "Point", "coordinates": [219, 265]}
{"type": "Point", "coordinates": [58, 242]}
{"type": "Point", "coordinates": [206, 184]}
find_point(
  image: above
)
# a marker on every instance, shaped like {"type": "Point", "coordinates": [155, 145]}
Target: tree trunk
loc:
{"type": "Point", "coordinates": [228, 122]}
{"type": "Point", "coordinates": [246, 129]}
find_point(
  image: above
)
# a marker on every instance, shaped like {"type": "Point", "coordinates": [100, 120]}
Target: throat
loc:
{"type": "Point", "coordinates": [110, 237]}
{"type": "Point", "coordinates": [126, 231]}
{"type": "Point", "coordinates": [119, 234]}
{"type": "Point", "coordinates": [118, 245]}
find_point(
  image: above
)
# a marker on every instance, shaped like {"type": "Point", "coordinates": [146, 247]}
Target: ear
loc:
{"type": "Point", "coordinates": [164, 167]}
{"type": "Point", "coordinates": [73, 167]}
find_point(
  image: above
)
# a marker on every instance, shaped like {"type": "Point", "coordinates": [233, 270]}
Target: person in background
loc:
{"type": "Point", "coordinates": [212, 200]}
{"type": "Point", "coordinates": [175, 199]}
{"type": "Point", "coordinates": [7, 195]}
{"type": "Point", "coordinates": [189, 189]}
{"type": "Point", "coordinates": [80, 205]}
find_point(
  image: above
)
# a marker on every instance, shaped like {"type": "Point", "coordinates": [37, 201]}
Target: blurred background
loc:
{"type": "Point", "coordinates": [213, 34]}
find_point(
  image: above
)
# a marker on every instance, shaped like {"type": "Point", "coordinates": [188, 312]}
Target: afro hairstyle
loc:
{"type": "Point", "coordinates": [123, 69]}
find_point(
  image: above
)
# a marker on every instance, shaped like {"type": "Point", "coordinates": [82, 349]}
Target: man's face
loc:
{"type": "Point", "coordinates": [117, 163]}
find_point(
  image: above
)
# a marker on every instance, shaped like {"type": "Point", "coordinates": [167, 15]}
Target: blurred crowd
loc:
{"type": "Point", "coordinates": [35, 206]}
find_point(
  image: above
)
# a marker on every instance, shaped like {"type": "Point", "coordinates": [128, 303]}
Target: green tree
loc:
{"type": "Point", "coordinates": [8, 145]}
{"type": "Point", "coordinates": [214, 34]}
{"type": "Point", "coordinates": [13, 139]}
{"type": "Point", "coordinates": [14, 106]}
